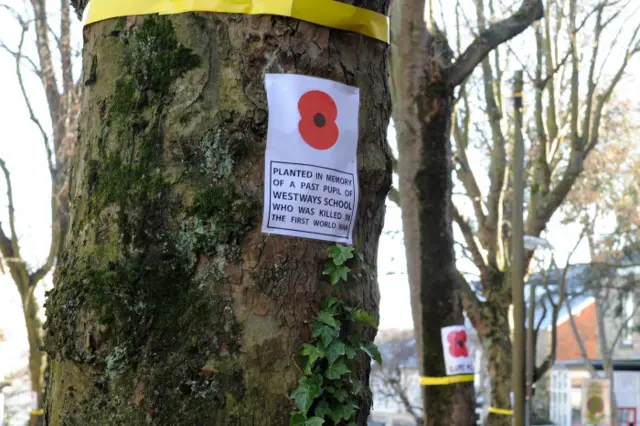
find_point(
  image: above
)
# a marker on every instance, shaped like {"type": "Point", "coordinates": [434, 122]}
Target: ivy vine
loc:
{"type": "Point", "coordinates": [329, 393]}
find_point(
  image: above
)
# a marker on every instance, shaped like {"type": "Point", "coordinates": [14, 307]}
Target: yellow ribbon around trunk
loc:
{"type": "Point", "coordinates": [449, 380]}
{"type": "Point", "coordinates": [328, 13]}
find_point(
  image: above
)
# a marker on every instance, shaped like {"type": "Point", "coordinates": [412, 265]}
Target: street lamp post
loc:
{"type": "Point", "coordinates": [517, 263]}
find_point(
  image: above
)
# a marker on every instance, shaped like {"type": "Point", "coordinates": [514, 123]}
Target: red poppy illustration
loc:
{"type": "Point", "coordinates": [318, 113]}
{"type": "Point", "coordinates": [458, 344]}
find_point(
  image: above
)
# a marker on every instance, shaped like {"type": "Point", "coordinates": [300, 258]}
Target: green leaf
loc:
{"type": "Point", "coordinates": [297, 418]}
{"type": "Point", "coordinates": [341, 395]}
{"type": "Point", "coordinates": [327, 318]}
{"type": "Point", "coordinates": [327, 303]}
{"type": "Point", "coordinates": [351, 424]}
{"type": "Point", "coordinates": [314, 421]}
{"type": "Point", "coordinates": [372, 350]}
{"type": "Point", "coordinates": [340, 254]}
{"type": "Point", "coordinates": [330, 389]}
{"type": "Point", "coordinates": [326, 333]}
{"type": "Point", "coordinates": [336, 370]}
{"type": "Point", "coordinates": [313, 352]}
{"type": "Point", "coordinates": [336, 273]}
{"type": "Point", "coordinates": [356, 385]}
{"type": "Point", "coordinates": [309, 388]}
{"type": "Point", "coordinates": [335, 350]}
{"type": "Point", "coordinates": [322, 409]}
{"type": "Point", "coordinates": [364, 317]}
{"type": "Point", "coordinates": [341, 411]}
{"type": "Point", "coordinates": [350, 352]}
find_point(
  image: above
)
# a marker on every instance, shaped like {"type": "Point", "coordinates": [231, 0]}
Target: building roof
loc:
{"type": "Point", "coordinates": [632, 364]}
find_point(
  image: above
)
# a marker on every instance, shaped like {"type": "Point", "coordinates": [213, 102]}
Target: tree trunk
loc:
{"type": "Point", "coordinates": [606, 353]}
{"type": "Point", "coordinates": [497, 344]}
{"type": "Point", "coordinates": [422, 119]}
{"type": "Point", "coordinates": [36, 355]}
{"type": "Point", "coordinates": [172, 307]}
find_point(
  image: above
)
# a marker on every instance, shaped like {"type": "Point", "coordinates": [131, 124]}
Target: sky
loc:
{"type": "Point", "coordinates": [22, 148]}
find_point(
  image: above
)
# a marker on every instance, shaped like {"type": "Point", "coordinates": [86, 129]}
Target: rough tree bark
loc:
{"type": "Point", "coordinates": [172, 307]}
{"type": "Point", "coordinates": [424, 79]}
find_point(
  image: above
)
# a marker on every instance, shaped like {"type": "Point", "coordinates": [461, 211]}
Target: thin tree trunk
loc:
{"type": "Point", "coordinates": [607, 359]}
{"type": "Point", "coordinates": [172, 307]}
{"type": "Point", "coordinates": [422, 120]}
{"type": "Point", "coordinates": [498, 346]}
{"type": "Point", "coordinates": [36, 355]}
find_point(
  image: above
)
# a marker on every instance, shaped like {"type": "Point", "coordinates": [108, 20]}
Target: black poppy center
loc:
{"type": "Point", "coordinates": [460, 343]}
{"type": "Point", "coordinates": [319, 120]}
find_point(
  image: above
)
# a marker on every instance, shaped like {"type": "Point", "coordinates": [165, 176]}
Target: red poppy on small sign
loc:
{"type": "Point", "coordinates": [458, 344]}
{"type": "Point", "coordinates": [318, 113]}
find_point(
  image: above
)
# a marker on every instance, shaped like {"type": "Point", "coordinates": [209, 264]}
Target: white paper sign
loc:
{"type": "Point", "coordinates": [595, 402]}
{"type": "Point", "coordinates": [457, 357]}
{"type": "Point", "coordinates": [34, 400]}
{"type": "Point", "coordinates": [311, 176]}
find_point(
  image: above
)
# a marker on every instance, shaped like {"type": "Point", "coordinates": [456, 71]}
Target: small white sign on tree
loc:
{"type": "Point", "coordinates": [311, 176]}
{"type": "Point", "coordinates": [457, 357]}
{"type": "Point", "coordinates": [596, 409]}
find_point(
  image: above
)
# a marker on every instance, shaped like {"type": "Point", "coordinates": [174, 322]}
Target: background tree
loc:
{"type": "Point", "coordinates": [172, 307]}
{"type": "Point", "coordinates": [53, 68]}
{"type": "Point", "coordinates": [604, 201]}
{"type": "Point", "coordinates": [425, 76]}
{"type": "Point", "coordinates": [581, 57]}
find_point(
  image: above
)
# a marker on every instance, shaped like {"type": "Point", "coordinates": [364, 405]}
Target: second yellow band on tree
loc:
{"type": "Point", "coordinates": [439, 381]}
{"type": "Point", "coordinates": [328, 13]}
{"type": "Point", "coordinates": [501, 411]}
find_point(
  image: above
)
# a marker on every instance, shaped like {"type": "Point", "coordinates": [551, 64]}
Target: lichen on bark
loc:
{"type": "Point", "coordinates": [172, 307]}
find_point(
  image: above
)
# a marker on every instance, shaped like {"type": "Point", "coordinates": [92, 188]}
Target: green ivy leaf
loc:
{"type": "Point", "coordinates": [322, 409]}
{"type": "Point", "coordinates": [340, 254]}
{"type": "Point", "coordinates": [297, 418]}
{"type": "Point", "coordinates": [328, 318]}
{"type": "Point", "coordinates": [350, 352]}
{"type": "Point", "coordinates": [356, 385]}
{"type": "Point", "coordinates": [336, 272]}
{"type": "Point", "coordinates": [330, 389]}
{"type": "Point", "coordinates": [335, 350]}
{"type": "Point", "coordinates": [336, 370]}
{"type": "Point", "coordinates": [309, 388]}
{"type": "Point", "coordinates": [313, 352]}
{"type": "Point", "coordinates": [314, 421]}
{"type": "Point", "coordinates": [372, 350]}
{"type": "Point", "coordinates": [328, 303]}
{"type": "Point", "coordinates": [326, 333]}
{"type": "Point", "coordinates": [364, 317]}
{"type": "Point", "coordinates": [341, 395]}
{"type": "Point", "coordinates": [341, 411]}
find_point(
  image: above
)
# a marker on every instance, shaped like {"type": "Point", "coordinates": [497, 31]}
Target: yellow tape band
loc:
{"type": "Point", "coordinates": [328, 13]}
{"type": "Point", "coordinates": [37, 412]}
{"type": "Point", "coordinates": [500, 411]}
{"type": "Point", "coordinates": [439, 381]}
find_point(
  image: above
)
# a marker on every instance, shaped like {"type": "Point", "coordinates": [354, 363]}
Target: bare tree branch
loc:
{"type": "Point", "coordinates": [11, 208]}
{"type": "Point", "coordinates": [469, 238]}
{"type": "Point", "coordinates": [65, 47]}
{"type": "Point", "coordinates": [46, 62]}
{"type": "Point", "coordinates": [496, 34]}
{"type": "Point", "coordinates": [32, 116]}
{"type": "Point", "coordinates": [632, 49]}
